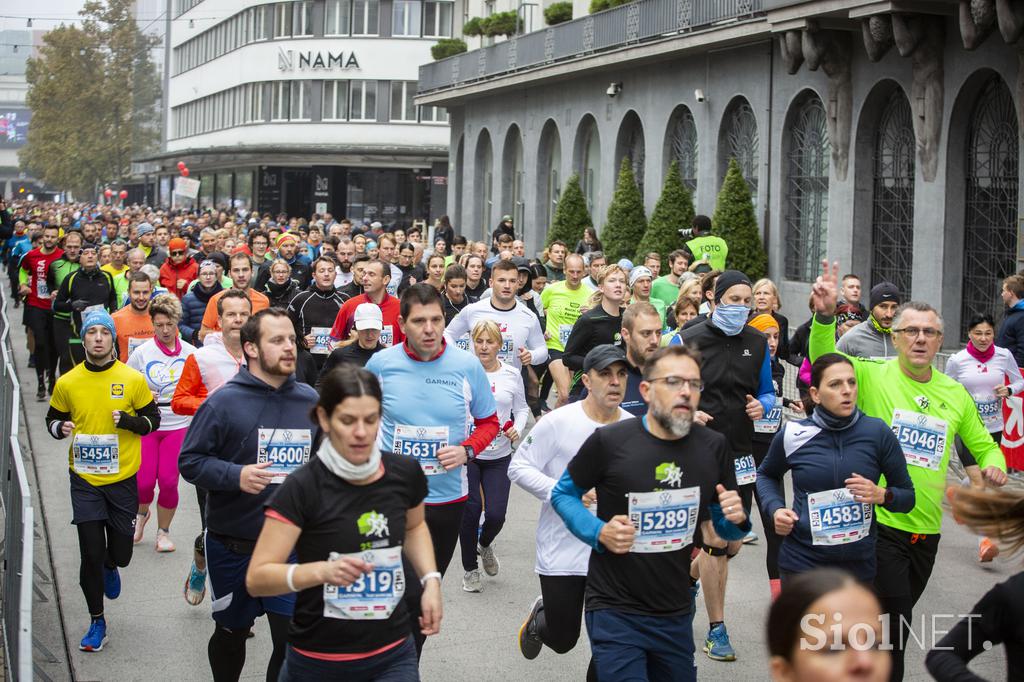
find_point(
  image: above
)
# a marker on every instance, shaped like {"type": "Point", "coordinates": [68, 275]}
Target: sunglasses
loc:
{"type": "Point", "coordinates": [177, 253]}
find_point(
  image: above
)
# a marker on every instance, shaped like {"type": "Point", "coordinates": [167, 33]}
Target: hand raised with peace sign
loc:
{"type": "Point", "coordinates": [825, 291]}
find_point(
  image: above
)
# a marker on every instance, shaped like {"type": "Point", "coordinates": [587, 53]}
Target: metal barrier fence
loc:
{"type": "Point", "coordinates": [18, 518]}
{"type": "Point", "coordinates": [630, 24]}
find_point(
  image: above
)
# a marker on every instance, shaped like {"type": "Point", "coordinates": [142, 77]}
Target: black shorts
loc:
{"type": "Point", "coordinates": [116, 503]}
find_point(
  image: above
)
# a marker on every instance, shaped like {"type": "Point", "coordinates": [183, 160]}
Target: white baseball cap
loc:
{"type": "Point", "coordinates": [368, 316]}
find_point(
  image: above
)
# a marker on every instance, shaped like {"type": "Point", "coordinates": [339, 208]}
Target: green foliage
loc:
{"type": "Point", "coordinates": [600, 5]}
{"type": "Point", "coordinates": [501, 24]}
{"type": "Point", "coordinates": [557, 13]}
{"type": "Point", "coordinates": [736, 223]}
{"type": "Point", "coordinates": [673, 211]}
{"type": "Point", "coordinates": [94, 96]}
{"type": "Point", "coordinates": [473, 27]}
{"type": "Point", "coordinates": [571, 214]}
{"type": "Point", "coordinates": [447, 47]}
{"type": "Point", "coordinates": [626, 221]}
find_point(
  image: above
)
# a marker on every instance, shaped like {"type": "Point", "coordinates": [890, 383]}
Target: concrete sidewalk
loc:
{"type": "Point", "coordinates": [155, 635]}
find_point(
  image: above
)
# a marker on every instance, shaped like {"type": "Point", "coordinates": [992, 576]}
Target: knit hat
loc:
{"type": "Point", "coordinates": [285, 237]}
{"type": "Point", "coordinates": [728, 280]}
{"type": "Point", "coordinates": [626, 264]}
{"type": "Point", "coordinates": [884, 292]}
{"type": "Point", "coordinates": [763, 322]}
{"type": "Point", "coordinates": [101, 318]}
{"type": "Point", "coordinates": [177, 244]}
{"type": "Point", "coordinates": [639, 272]}
{"type": "Point", "coordinates": [206, 264]}
{"type": "Point", "coordinates": [144, 228]}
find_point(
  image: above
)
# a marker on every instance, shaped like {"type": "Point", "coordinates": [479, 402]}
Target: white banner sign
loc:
{"type": "Point", "coordinates": [186, 187]}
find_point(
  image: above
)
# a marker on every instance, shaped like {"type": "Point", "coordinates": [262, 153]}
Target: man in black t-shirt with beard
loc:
{"type": "Point", "coordinates": [662, 482]}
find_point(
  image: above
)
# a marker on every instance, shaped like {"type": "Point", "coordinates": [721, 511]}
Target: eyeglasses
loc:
{"type": "Point", "coordinates": [676, 383]}
{"type": "Point", "coordinates": [914, 332]}
{"type": "Point", "coordinates": [177, 253]}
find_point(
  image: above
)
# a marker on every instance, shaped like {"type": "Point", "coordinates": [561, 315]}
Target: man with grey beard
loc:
{"type": "Point", "coordinates": [658, 481]}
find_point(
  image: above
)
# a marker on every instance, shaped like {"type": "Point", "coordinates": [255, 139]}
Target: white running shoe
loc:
{"type": "Point", "coordinates": [164, 542]}
{"type": "Point", "coordinates": [472, 582]}
{"type": "Point", "coordinates": [140, 526]}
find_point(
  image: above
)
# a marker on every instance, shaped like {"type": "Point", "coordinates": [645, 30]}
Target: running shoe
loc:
{"type": "Point", "coordinates": [111, 583]}
{"type": "Point", "coordinates": [987, 550]}
{"type": "Point", "coordinates": [140, 526]}
{"type": "Point", "coordinates": [471, 582]}
{"type": "Point", "coordinates": [195, 586]}
{"type": "Point", "coordinates": [750, 538]}
{"type": "Point", "coordinates": [488, 559]}
{"type": "Point", "coordinates": [164, 542]}
{"type": "Point", "coordinates": [96, 637]}
{"type": "Point", "coordinates": [717, 645]}
{"type": "Point", "coordinates": [529, 641]}
{"type": "Point", "coordinates": [41, 394]}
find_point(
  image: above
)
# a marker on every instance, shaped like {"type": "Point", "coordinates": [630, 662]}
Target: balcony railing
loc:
{"type": "Point", "coordinates": [631, 24]}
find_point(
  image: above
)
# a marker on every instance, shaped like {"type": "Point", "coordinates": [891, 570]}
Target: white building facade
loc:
{"type": "Point", "coordinates": [305, 107]}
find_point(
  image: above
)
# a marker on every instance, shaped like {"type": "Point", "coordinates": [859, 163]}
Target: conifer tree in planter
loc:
{"type": "Point", "coordinates": [673, 211]}
{"type": "Point", "coordinates": [626, 222]}
{"type": "Point", "coordinates": [447, 47]}
{"type": "Point", "coordinates": [571, 215]}
{"type": "Point", "coordinates": [736, 223]}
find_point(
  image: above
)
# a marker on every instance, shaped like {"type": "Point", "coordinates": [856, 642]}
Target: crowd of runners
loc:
{"type": "Point", "coordinates": [352, 403]}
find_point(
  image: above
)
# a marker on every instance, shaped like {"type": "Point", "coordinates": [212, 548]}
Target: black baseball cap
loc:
{"type": "Point", "coordinates": [603, 356]}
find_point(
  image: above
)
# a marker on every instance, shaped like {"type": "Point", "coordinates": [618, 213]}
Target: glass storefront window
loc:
{"type": "Point", "coordinates": [205, 191]}
{"type": "Point", "coordinates": [223, 191]}
{"type": "Point", "coordinates": [243, 190]}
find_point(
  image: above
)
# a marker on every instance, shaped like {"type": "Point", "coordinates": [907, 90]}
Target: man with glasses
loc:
{"type": "Point", "coordinates": [118, 258]}
{"type": "Point", "coordinates": [259, 244]}
{"type": "Point", "coordinates": [639, 608]}
{"type": "Point", "coordinates": [872, 338]}
{"type": "Point", "coordinates": [926, 410]}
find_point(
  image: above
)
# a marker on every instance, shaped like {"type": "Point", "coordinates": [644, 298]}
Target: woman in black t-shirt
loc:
{"type": "Point", "coordinates": [348, 515]}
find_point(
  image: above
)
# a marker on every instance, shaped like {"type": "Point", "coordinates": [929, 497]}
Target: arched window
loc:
{"type": "Point", "coordinates": [631, 146]}
{"type": "Point", "coordinates": [740, 141]}
{"type": "Point", "coordinates": [683, 146]}
{"type": "Point", "coordinates": [513, 178]}
{"type": "Point", "coordinates": [990, 206]}
{"type": "Point", "coordinates": [549, 180]}
{"type": "Point", "coordinates": [807, 167]}
{"type": "Point", "coordinates": [485, 192]}
{"type": "Point", "coordinates": [456, 173]}
{"type": "Point", "coordinates": [892, 215]}
{"type": "Point", "coordinates": [589, 155]}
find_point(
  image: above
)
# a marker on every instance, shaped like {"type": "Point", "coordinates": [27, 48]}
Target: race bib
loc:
{"type": "Point", "coordinates": [374, 595]}
{"type": "Point", "coordinates": [387, 336]}
{"type": "Point", "coordinates": [746, 470]}
{"type": "Point", "coordinates": [42, 289]}
{"type": "Point", "coordinates": [922, 438]}
{"type": "Point", "coordinates": [665, 520]}
{"type": "Point", "coordinates": [771, 421]}
{"type": "Point", "coordinates": [563, 333]}
{"type": "Point", "coordinates": [285, 449]}
{"type": "Point", "coordinates": [463, 343]}
{"type": "Point", "coordinates": [422, 442]}
{"type": "Point", "coordinates": [836, 518]}
{"type": "Point", "coordinates": [321, 340]}
{"type": "Point", "coordinates": [991, 411]}
{"type": "Point", "coordinates": [508, 349]}
{"type": "Point", "coordinates": [134, 343]}
{"type": "Point", "coordinates": [96, 454]}
{"type": "Point", "coordinates": [392, 286]}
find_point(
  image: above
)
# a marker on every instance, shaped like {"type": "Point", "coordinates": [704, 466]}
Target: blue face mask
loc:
{"type": "Point", "coordinates": [730, 318]}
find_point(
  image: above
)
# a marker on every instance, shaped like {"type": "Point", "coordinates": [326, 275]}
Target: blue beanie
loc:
{"type": "Point", "coordinates": [98, 317]}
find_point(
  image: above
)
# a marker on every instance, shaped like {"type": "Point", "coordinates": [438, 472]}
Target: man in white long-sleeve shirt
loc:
{"type": "Point", "coordinates": [523, 340]}
{"type": "Point", "coordinates": [562, 560]}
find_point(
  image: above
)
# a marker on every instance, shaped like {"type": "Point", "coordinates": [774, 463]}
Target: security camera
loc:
{"type": "Point", "coordinates": [698, 95]}
{"type": "Point", "coordinates": [613, 89]}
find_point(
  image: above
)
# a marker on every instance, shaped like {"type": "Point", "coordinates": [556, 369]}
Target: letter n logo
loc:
{"type": "Point", "coordinates": [285, 59]}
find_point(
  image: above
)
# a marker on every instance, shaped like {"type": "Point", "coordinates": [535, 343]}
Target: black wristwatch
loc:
{"type": "Point", "coordinates": [888, 496]}
{"type": "Point", "coordinates": [470, 453]}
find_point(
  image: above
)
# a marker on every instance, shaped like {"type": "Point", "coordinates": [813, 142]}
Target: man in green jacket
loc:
{"type": "Point", "coordinates": [706, 246]}
{"type": "Point", "coordinates": [63, 334]}
{"type": "Point", "coordinates": [925, 409]}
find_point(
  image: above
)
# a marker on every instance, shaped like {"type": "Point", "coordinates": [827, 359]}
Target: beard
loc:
{"type": "Point", "coordinates": [677, 426]}
{"type": "Point", "coordinates": [278, 368]}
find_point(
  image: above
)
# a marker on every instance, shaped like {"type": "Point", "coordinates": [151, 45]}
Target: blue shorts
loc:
{"type": "Point", "coordinates": [632, 648]}
{"type": "Point", "coordinates": [233, 607]}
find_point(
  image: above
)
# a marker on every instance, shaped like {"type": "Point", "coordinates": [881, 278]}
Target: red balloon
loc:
{"type": "Point", "coordinates": [181, 165]}
{"type": "Point", "coordinates": [184, 172]}
{"type": "Point", "coordinates": [108, 193]}
{"type": "Point", "coordinates": [123, 194]}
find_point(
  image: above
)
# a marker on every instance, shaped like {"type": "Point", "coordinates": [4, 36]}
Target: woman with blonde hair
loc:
{"type": "Point", "coordinates": [997, 618]}
{"type": "Point", "coordinates": [487, 473]}
{"type": "Point", "coordinates": [767, 302]}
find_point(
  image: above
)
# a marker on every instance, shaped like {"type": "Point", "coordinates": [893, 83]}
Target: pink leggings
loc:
{"type": "Point", "coordinates": [160, 462]}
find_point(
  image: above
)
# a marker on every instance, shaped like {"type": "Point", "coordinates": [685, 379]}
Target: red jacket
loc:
{"type": "Point", "coordinates": [170, 273]}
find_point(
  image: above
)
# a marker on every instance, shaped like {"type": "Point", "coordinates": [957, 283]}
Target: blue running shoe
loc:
{"type": "Point", "coordinates": [195, 586]}
{"type": "Point", "coordinates": [96, 637]}
{"type": "Point", "coordinates": [111, 583]}
{"type": "Point", "coordinates": [717, 645]}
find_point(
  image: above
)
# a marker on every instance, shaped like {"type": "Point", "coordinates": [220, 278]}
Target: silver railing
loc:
{"type": "Point", "coordinates": [633, 23]}
{"type": "Point", "coordinates": [18, 518]}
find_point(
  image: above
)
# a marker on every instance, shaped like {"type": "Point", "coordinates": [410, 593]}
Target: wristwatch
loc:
{"type": "Point", "coordinates": [470, 453]}
{"type": "Point", "coordinates": [888, 496]}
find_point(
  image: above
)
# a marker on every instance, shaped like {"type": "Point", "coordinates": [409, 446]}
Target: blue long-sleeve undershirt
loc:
{"type": "Point", "coordinates": [765, 387]}
{"type": "Point", "coordinates": [567, 501]}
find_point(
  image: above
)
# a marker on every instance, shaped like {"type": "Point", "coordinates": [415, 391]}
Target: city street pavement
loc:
{"type": "Point", "coordinates": [155, 635]}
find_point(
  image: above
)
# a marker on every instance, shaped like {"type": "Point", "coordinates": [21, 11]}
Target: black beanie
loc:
{"type": "Point", "coordinates": [883, 292]}
{"type": "Point", "coordinates": [727, 280]}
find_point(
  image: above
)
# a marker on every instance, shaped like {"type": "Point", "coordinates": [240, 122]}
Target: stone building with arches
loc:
{"type": "Point", "coordinates": [883, 134]}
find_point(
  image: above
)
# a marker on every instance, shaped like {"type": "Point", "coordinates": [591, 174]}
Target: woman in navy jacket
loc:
{"type": "Point", "coordinates": [837, 458]}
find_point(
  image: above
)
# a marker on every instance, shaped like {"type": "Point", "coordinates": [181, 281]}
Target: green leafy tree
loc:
{"type": "Point", "coordinates": [94, 95]}
{"type": "Point", "coordinates": [447, 47]}
{"type": "Point", "coordinates": [735, 222]}
{"type": "Point", "coordinates": [571, 214]}
{"type": "Point", "coordinates": [626, 221]}
{"type": "Point", "coordinates": [674, 210]}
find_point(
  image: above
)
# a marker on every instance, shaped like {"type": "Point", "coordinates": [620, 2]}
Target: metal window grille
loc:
{"type": "Point", "coordinates": [892, 218]}
{"type": "Point", "coordinates": [684, 147]}
{"type": "Point", "coordinates": [742, 145]}
{"type": "Point", "coordinates": [807, 191]}
{"type": "Point", "coordinates": [990, 210]}
{"type": "Point", "coordinates": [637, 153]}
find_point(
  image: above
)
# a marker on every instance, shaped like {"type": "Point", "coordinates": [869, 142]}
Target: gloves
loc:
{"type": "Point", "coordinates": [79, 305]}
